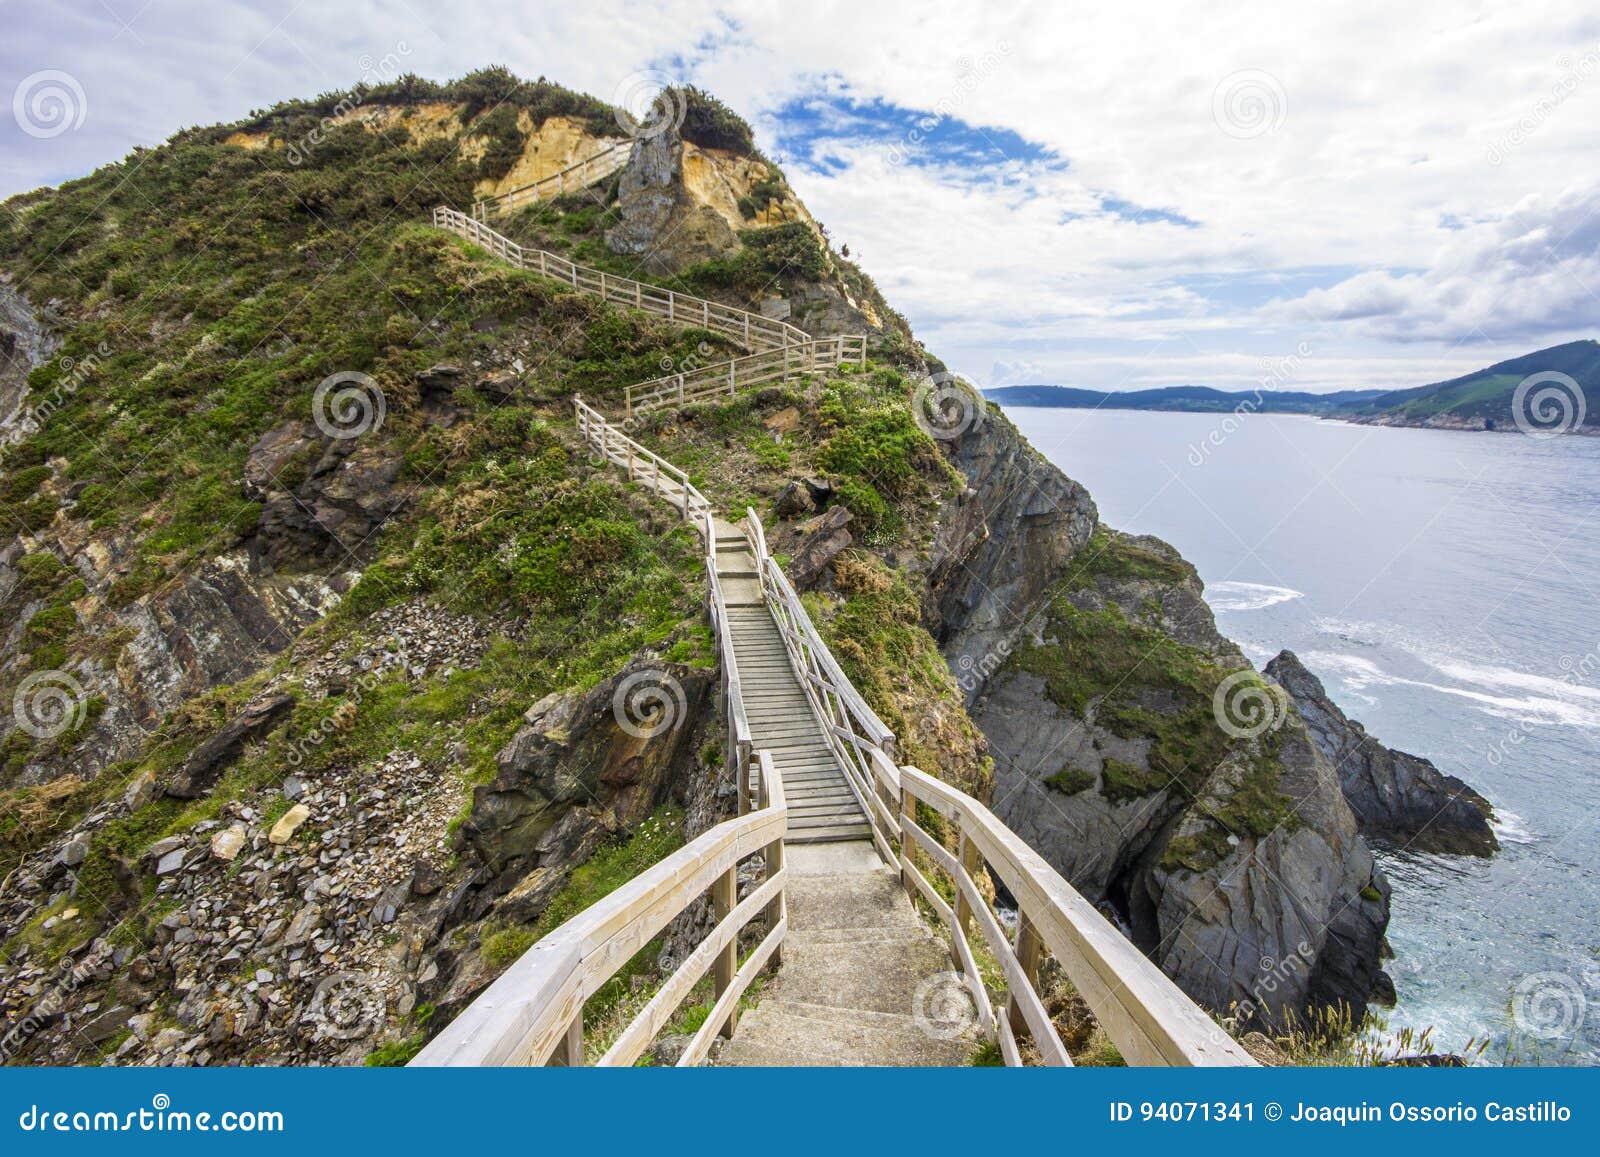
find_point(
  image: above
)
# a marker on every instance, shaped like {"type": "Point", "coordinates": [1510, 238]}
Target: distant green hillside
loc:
{"type": "Point", "coordinates": [1484, 398]}
{"type": "Point", "coordinates": [1191, 399]}
{"type": "Point", "coordinates": [1479, 400]}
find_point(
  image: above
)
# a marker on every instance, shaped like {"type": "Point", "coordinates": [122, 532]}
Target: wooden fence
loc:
{"type": "Point", "coordinates": [751, 330]}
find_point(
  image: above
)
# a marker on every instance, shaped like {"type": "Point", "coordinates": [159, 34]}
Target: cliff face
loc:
{"type": "Point", "coordinates": [1126, 751]}
{"type": "Point", "coordinates": [1397, 798]}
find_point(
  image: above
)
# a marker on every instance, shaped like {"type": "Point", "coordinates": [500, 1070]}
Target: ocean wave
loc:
{"type": "Point", "coordinates": [1545, 700]}
{"type": "Point", "coordinates": [1237, 596]}
{"type": "Point", "coordinates": [1510, 828]}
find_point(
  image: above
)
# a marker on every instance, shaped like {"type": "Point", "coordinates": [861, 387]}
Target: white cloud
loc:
{"type": "Point", "coordinates": [1391, 118]}
{"type": "Point", "coordinates": [1532, 272]}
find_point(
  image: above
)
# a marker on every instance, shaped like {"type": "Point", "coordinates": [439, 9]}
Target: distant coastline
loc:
{"type": "Point", "coordinates": [1555, 390]}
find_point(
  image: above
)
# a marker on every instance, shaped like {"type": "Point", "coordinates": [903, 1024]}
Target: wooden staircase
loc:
{"type": "Point", "coordinates": [822, 807]}
{"type": "Point", "coordinates": [817, 770]}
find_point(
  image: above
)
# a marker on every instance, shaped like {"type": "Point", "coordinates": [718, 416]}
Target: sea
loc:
{"type": "Point", "coordinates": [1445, 587]}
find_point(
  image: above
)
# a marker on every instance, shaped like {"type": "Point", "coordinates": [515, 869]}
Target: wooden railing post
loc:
{"type": "Point", "coordinates": [1028, 951]}
{"type": "Point", "coordinates": [972, 862]}
{"type": "Point", "coordinates": [908, 816]}
{"type": "Point", "coordinates": [724, 895]}
{"type": "Point", "coordinates": [570, 1051]}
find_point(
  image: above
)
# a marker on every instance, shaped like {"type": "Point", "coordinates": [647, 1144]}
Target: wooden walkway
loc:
{"type": "Point", "coordinates": [862, 979]}
{"type": "Point", "coordinates": [822, 807]}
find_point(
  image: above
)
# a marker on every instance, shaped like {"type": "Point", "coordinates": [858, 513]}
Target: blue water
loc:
{"type": "Point", "coordinates": [1446, 588]}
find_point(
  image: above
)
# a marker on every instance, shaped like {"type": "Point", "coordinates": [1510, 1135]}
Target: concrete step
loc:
{"type": "Point", "coordinates": [777, 1033]}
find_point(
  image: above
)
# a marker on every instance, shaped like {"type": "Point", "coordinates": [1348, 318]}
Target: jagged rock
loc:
{"type": "Point", "coordinates": [660, 221]}
{"type": "Point", "coordinates": [269, 460]}
{"type": "Point", "coordinates": [1257, 920]}
{"type": "Point", "coordinates": [163, 846]}
{"type": "Point", "coordinates": [293, 788]}
{"type": "Point", "coordinates": [141, 791]}
{"type": "Point", "coordinates": [1001, 544]}
{"type": "Point", "coordinates": [608, 750]}
{"type": "Point", "coordinates": [1397, 798]}
{"type": "Point", "coordinates": [500, 387]}
{"type": "Point", "coordinates": [76, 850]}
{"type": "Point", "coordinates": [793, 501]}
{"type": "Point", "coordinates": [170, 863]}
{"type": "Point", "coordinates": [440, 381]}
{"type": "Point", "coordinates": [824, 538]}
{"type": "Point", "coordinates": [288, 823]}
{"type": "Point", "coordinates": [200, 771]}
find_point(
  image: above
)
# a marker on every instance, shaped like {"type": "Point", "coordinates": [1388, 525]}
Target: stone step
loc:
{"type": "Point", "coordinates": [775, 1033]}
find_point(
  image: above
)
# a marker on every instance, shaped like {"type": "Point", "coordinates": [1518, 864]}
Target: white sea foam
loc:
{"type": "Point", "coordinates": [1510, 828]}
{"type": "Point", "coordinates": [1237, 596]}
{"type": "Point", "coordinates": [1543, 700]}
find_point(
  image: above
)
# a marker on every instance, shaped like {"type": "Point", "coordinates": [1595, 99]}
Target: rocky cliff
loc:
{"type": "Point", "coordinates": [1398, 799]}
{"type": "Point", "coordinates": [1137, 750]}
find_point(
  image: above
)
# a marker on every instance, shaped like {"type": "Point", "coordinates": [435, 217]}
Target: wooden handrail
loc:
{"type": "Point", "coordinates": [1148, 1017]}
{"type": "Point", "coordinates": [576, 175]}
{"type": "Point", "coordinates": [645, 466]}
{"type": "Point", "coordinates": [729, 377]}
{"type": "Point", "coordinates": [535, 1008]}
{"type": "Point", "coordinates": [752, 330]}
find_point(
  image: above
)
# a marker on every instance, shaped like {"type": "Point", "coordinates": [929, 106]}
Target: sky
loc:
{"type": "Point", "coordinates": [1109, 196]}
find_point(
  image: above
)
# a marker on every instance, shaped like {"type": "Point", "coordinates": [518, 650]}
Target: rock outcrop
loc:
{"type": "Point", "coordinates": [585, 764]}
{"type": "Point", "coordinates": [1001, 544]}
{"type": "Point", "coordinates": [1090, 661]}
{"type": "Point", "coordinates": [1397, 798]}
